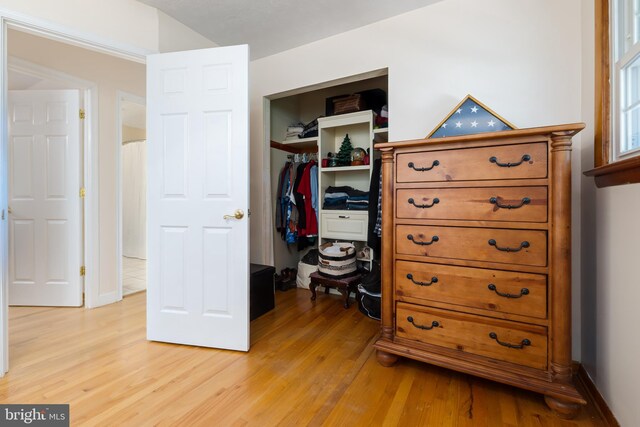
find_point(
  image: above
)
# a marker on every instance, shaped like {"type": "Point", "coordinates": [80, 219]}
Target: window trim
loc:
{"type": "Point", "coordinates": [606, 172]}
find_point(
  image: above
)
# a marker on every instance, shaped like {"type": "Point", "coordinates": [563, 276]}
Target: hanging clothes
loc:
{"type": "Point", "coordinates": [297, 203]}
{"type": "Point", "coordinates": [308, 227]}
{"type": "Point", "coordinates": [280, 193]}
{"type": "Point", "coordinates": [373, 238]}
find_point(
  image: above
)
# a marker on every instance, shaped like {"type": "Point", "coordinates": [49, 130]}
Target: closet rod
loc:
{"type": "Point", "coordinates": [290, 149]}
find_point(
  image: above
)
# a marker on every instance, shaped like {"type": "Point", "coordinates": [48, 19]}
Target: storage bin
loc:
{"type": "Point", "coordinates": [337, 260]}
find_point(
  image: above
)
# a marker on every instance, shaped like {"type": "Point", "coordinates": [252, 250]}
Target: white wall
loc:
{"type": "Point", "coordinates": [110, 74]}
{"type": "Point", "coordinates": [509, 54]}
{"type": "Point", "coordinates": [126, 21]}
{"type": "Point", "coordinates": [129, 22]}
{"type": "Point", "coordinates": [617, 316]}
{"type": "Point", "coordinates": [611, 285]}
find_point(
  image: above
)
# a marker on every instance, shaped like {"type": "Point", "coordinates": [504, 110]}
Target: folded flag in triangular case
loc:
{"type": "Point", "coordinates": [469, 117]}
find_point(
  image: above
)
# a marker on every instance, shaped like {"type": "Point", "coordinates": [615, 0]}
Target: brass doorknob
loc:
{"type": "Point", "coordinates": [10, 210]}
{"type": "Point", "coordinates": [238, 214]}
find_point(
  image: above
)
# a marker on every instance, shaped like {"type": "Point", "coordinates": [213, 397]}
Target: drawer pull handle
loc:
{"type": "Point", "coordinates": [524, 244]}
{"type": "Point", "coordinates": [433, 165]}
{"type": "Point", "coordinates": [525, 342]}
{"type": "Point", "coordinates": [344, 216]}
{"type": "Point", "coordinates": [434, 324]}
{"type": "Point", "coordinates": [525, 201]}
{"type": "Point", "coordinates": [523, 291]}
{"type": "Point", "coordinates": [426, 206]}
{"type": "Point", "coordinates": [434, 279]}
{"type": "Point", "coordinates": [415, 242]}
{"type": "Point", "coordinates": [494, 159]}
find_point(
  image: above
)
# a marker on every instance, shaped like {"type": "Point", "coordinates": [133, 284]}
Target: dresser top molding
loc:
{"type": "Point", "coordinates": [567, 130]}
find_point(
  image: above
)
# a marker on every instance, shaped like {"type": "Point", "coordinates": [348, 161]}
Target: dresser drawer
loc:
{"type": "Point", "coordinates": [482, 204]}
{"type": "Point", "coordinates": [486, 163]}
{"type": "Point", "coordinates": [524, 247]}
{"type": "Point", "coordinates": [493, 290]}
{"type": "Point", "coordinates": [344, 225]}
{"type": "Point", "coordinates": [498, 339]}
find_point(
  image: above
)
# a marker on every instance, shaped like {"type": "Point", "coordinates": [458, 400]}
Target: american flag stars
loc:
{"type": "Point", "coordinates": [470, 117]}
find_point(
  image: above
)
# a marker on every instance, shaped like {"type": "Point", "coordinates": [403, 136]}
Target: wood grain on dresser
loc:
{"type": "Point", "coordinates": [513, 342]}
{"type": "Point", "coordinates": [527, 247]}
{"type": "Point", "coordinates": [491, 290]}
{"type": "Point", "coordinates": [527, 204]}
{"type": "Point", "coordinates": [476, 267]}
{"type": "Point", "coordinates": [510, 162]}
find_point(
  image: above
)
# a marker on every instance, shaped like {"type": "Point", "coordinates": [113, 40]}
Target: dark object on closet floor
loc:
{"type": "Point", "coordinates": [261, 290]}
{"type": "Point", "coordinates": [369, 296]}
{"type": "Point", "coordinates": [286, 279]}
{"type": "Point", "coordinates": [344, 286]}
{"type": "Point", "coordinates": [371, 282]}
{"type": "Point", "coordinates": [369, 305]}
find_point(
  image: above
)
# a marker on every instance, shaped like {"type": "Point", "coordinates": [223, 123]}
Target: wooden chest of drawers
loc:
{"type": "Point", "coordinates": [476, 257]}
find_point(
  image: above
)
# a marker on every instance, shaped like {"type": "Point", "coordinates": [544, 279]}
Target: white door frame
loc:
{"type": "Point", "coordinates": [43, 28]}
{"type": "Point", "coordinates": [121, 96]}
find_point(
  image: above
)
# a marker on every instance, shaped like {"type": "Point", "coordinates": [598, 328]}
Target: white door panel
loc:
{"type": "Point", "coordinates": [45, 249]}
{"type": "Point", "coordinates": [198, 172]}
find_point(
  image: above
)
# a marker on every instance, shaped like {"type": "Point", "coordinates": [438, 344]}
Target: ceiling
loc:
{"type": "Point", "coordinates": [272, 26]}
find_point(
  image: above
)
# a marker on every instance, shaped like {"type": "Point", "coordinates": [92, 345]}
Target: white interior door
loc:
{"type": "Point", "coordinates": [197, 150]}
{"type": "Point", "coordinates": [45, 227]}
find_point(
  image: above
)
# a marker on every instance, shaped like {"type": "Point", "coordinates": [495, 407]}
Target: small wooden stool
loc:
{"type": "Point", "coordinates": [344, 286]}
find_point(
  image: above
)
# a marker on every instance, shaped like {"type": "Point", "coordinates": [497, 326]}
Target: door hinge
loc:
{"type": "Point", "coordinates": [82, 114]}
{"type": "Point", "coordinates": [83, 271]}
{"type": "Point", "coordinates": [83, 192]}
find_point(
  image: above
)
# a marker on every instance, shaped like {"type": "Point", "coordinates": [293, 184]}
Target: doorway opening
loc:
{"type": "Point", "coordinates": [309, 126]}
{"type": "Point", "coordinates": [133, 194]}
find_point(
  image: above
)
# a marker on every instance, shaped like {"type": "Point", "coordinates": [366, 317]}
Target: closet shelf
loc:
{"type": "Point", "coordinates": [345, 168]}
{"type": "Point", "coordinates": [302, 142]}
{"type": "Point", "coordinates": [307, 145]}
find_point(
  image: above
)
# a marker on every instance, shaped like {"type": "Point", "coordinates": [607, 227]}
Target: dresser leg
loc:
{"type": "Point", "coordinates": [563, 409]}
{"type": "Point", "coordinates": [386, 359]}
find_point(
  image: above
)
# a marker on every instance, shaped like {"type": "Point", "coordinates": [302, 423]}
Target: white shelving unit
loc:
{"type": "Point", "coordinates": [344, 169]}
{"type": "Point", "coordinates": [345, 225]}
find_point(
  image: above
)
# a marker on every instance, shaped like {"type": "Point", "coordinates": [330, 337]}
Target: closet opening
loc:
{"type": "Point", "coordinates": [322, 163]}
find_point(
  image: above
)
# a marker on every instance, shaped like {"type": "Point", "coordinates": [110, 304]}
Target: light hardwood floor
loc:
{"type": "Point", "coordinates": [309, 364]}
{"type": "Point", "coordinates": [134, 275]}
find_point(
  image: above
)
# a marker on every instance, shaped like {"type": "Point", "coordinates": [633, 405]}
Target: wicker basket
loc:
{"type": "Point", "coordinates": [348, 104]}
{"type": "Point", "coordinates": [337, 260]}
